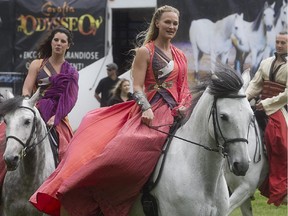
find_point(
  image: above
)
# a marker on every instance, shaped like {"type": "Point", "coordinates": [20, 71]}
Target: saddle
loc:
{"type": "Point", "coordinates": [149, 202]}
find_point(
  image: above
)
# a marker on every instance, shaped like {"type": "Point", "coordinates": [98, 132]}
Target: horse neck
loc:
{"type": "Point", "coordinates": [196, 129]}
{"type": "Point", "coordinates": [254, 39]}
{"type": "Point", "coordinates": [278, 26]}
{"type": "Point", "coordinates": [34, 162]}
{"type": "Point", "coordinates": [227, 28]}
{"type": "Point", "coordinates": [270, 36]}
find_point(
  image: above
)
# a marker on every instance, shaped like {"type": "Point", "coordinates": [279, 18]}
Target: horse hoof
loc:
{"type": "Point", "coordinates": [285, 201]}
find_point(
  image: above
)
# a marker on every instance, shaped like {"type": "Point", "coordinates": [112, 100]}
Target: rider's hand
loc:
{"type": "Point", "coordinates": [259, 107]}
{"type": "Point", "coordinates": [51, 121]}
{"type": "Point", "coordinates": [182, 111]}
{"type": "Point", "coordinates": [147, 116]}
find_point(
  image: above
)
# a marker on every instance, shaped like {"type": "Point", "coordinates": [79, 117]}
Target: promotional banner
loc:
{"type": "Point", "coordinates": [241, 33]}
{"type": "Point", "coordinates": [85, 18]}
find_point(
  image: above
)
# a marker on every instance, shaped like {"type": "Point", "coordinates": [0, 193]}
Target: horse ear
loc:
{"type": "Point", "coordinates": [273, 5]}
{"type": "Point", "coordinates": [214, 76]}
{"type": "Point", "coordinates": [35, 97]}
{"type": "Point", "coordinates": [266, 5]}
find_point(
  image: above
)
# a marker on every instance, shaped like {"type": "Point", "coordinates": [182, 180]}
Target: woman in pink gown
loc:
{"type": "Point", "coordinates": [114, 150]}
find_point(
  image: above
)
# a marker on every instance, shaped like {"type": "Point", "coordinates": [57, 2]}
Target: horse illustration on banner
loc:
{"type": "Point", "coordinates": [233, 34]}
{"type": "Point", "coordinates": [280, 25]}
{"type": "Point", "coordinates": [254, 42]}
{"type": "Point", "coordinates": [211, 38]}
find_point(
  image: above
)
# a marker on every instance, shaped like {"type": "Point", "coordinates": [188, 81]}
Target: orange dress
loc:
{"type": "Point", "coordinates": [112, 154]}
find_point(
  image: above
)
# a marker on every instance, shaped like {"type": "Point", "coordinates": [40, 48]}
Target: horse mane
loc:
{"type": "Point", "coordinates": [10, 105]}
{"type": "Point", "coordinates": [277, 16]}
{"type": "Point", "coordinates": [278, 13]}
{"type": "Point", "coordinates": [257, 21]}
{"type": "Point", "coordinates": [223, 81]}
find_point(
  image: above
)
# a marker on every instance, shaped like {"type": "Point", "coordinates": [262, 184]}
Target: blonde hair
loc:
{"type": "Point", "coordinates": [152, 32]}
{"type": "Point", "coordinates": [116, 91]}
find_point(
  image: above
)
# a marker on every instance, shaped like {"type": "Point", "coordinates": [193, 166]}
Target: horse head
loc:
{"type": "Point", "coordinates": [230, 117]}
{"type": "Point", "coordinates": [20, 117]}
{"type": "Point", "coordinates": [268, 16]}
{"type": "Point", "coordinates": [238, 32]}
{"type": "Point", "coordinates": [283, 16]}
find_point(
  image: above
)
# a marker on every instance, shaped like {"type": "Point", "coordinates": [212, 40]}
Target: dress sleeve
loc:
{"type": "Point", "coordinates": [184, 92]}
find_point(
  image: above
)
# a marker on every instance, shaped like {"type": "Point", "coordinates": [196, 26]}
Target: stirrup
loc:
{"type": "Point", "coordinates": [149, 204]}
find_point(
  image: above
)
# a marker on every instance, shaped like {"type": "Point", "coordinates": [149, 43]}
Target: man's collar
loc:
{"type": "Point", "coordinates": [283, 56]}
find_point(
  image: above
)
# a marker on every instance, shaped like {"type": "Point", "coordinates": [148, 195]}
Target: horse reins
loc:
{"type": "Point", "coordinates": [26, 146]}
{"type": "Point", "coordinates": [213, 112]}
{"type": "Point", "coordinates": [258, 143]}
{"type": "Point", "coordinates": [152, 184]}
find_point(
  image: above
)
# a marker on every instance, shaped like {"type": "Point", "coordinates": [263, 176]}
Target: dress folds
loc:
{"type": "Point", "coordinates": [112, 153]}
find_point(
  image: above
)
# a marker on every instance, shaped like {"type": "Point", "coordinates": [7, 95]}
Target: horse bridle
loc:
{"type": "Point", "coordinates": [213, 113]}
{"type": "Point", "coordinates": [152, 184]}
{"type": "Point", "coordinates": [216, 125]}
{"type": "Point", "coordinates": [26, 146]}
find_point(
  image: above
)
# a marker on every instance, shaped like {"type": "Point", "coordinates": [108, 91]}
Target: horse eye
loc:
{"type": "Point", "coordinates": [27, 122]}
{"type": "Point", "coordinates": [224, 117]}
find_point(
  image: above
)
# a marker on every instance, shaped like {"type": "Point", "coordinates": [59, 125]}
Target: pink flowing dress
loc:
{"type": "Point", "coordinates": [112, 154]}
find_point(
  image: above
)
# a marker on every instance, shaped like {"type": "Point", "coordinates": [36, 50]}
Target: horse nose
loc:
{"type": "Point", "coordinates": [11, 161]}
{"type": "Point", "coordinates": [269, 27]}
{"type": "Point", "coordinates": [240, 169]}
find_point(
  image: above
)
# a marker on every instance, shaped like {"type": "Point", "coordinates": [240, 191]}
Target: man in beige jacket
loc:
{"type": "Point", "coordinates": [270, 84]}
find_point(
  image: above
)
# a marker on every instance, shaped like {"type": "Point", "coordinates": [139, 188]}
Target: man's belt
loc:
{"type": "Point", "coordinates": [271, 89]}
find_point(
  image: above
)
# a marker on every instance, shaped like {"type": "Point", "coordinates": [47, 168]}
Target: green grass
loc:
{"type": "Point", "coordinates": [261, 208]}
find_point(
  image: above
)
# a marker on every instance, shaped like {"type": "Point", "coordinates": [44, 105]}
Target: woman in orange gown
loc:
{"type": "Point", "coordinates": [114, 151]}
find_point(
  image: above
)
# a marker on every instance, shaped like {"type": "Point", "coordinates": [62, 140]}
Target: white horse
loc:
{"type": "Point", "coordinates": [211, 38]}
{"type": "Point", "coordinates": [192, 180]}
{"type": "Point", "coordinates": [28, 155]}
{"type": "Point", "coordinates": [244, 187]}
{"type": "Point", "coordinates": [255, 40]}
{"type": "Point", "coordinates": [281, 21]}
{"type": "Point", "coordinates": [280, 25]}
